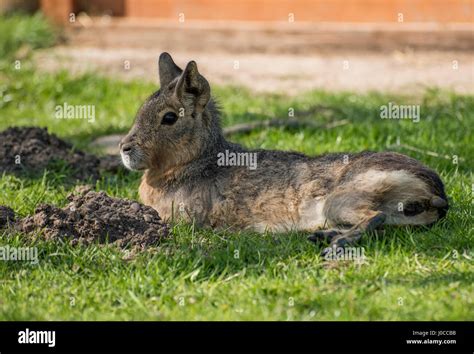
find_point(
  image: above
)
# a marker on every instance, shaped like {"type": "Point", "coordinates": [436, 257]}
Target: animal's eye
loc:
{"type": "Point", "coordinates": [169, 118]}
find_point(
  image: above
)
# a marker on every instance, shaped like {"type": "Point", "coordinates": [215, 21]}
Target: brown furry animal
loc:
{"type": "Point", "coordinates": [191, 171]}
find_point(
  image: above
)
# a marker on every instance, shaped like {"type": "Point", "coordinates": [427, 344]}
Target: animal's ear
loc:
{"type": "Point", "coordinates": [192, 89]}
{"type": "Point", "coordinates": [167, 69]}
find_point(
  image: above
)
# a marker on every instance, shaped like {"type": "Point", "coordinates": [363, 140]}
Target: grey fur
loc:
{"type": "Point", "coordinates": [288, 190]}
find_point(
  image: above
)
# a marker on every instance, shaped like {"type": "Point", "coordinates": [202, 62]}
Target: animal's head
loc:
{"type": "Point", "coordinates": [175, 124]}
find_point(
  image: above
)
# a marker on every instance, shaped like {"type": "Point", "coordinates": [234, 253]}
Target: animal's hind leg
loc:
{"type": "Point", "coordinates": [373, 220]}
{"type": "Point", "coordinates": [352, 213]}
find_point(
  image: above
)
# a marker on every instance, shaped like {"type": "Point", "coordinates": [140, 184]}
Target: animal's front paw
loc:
{"type": "Point", "coordinates": [324, 235]}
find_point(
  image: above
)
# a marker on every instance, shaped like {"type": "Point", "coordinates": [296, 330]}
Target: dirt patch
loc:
{"type": "Point", "coordinates": [112, 162]}
{"type": "Point", "coordinates": [94, 217]}
{"type": "Point", "coordinates": [32, 150]}
{"type": "Point", "coordinates": [7, 216]}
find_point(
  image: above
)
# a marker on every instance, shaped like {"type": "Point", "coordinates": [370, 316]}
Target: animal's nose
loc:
{"type": "Point", "coordinates": [127, 147]}
{"type": "Point", "coordinates": [124, 142]}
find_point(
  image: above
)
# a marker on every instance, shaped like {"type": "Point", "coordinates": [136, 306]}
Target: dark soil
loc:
{"type": "Point", "coordinates": [94, 217]}
{"type": "Point", "coordinates": [111, 163]}
{"type": "Point", "coordinates": [32, 150]}
{"type": "Point", "coordinates": [7, 216]}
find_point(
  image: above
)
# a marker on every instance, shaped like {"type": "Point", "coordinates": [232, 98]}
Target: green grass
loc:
{"type": "Point", "coordinates": [29, 33]}
{"type": "Point", "coordinates": [195, 275]}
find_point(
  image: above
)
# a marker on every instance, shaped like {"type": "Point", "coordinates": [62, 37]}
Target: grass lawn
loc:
{"type": "Point", "coordinates": [408, 274]}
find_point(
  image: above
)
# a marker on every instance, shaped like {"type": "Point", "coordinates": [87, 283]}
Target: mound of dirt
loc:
{"type": "Point", "coordinates": [33, 149]}
{"type": "Point", "coordinates": [7, 216]}
{"type": "Point", "coordinates": [94, 217]}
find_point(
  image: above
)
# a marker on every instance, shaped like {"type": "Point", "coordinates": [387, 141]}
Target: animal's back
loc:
{"type": "Point", "coordinates": [293, 191]}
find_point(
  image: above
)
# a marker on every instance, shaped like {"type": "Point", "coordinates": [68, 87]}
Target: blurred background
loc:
{"type": "Point", "coordinates": [287, 46]}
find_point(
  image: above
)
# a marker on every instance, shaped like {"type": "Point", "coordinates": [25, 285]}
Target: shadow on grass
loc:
{"type": "Point", "coordinates": [205, 255]}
